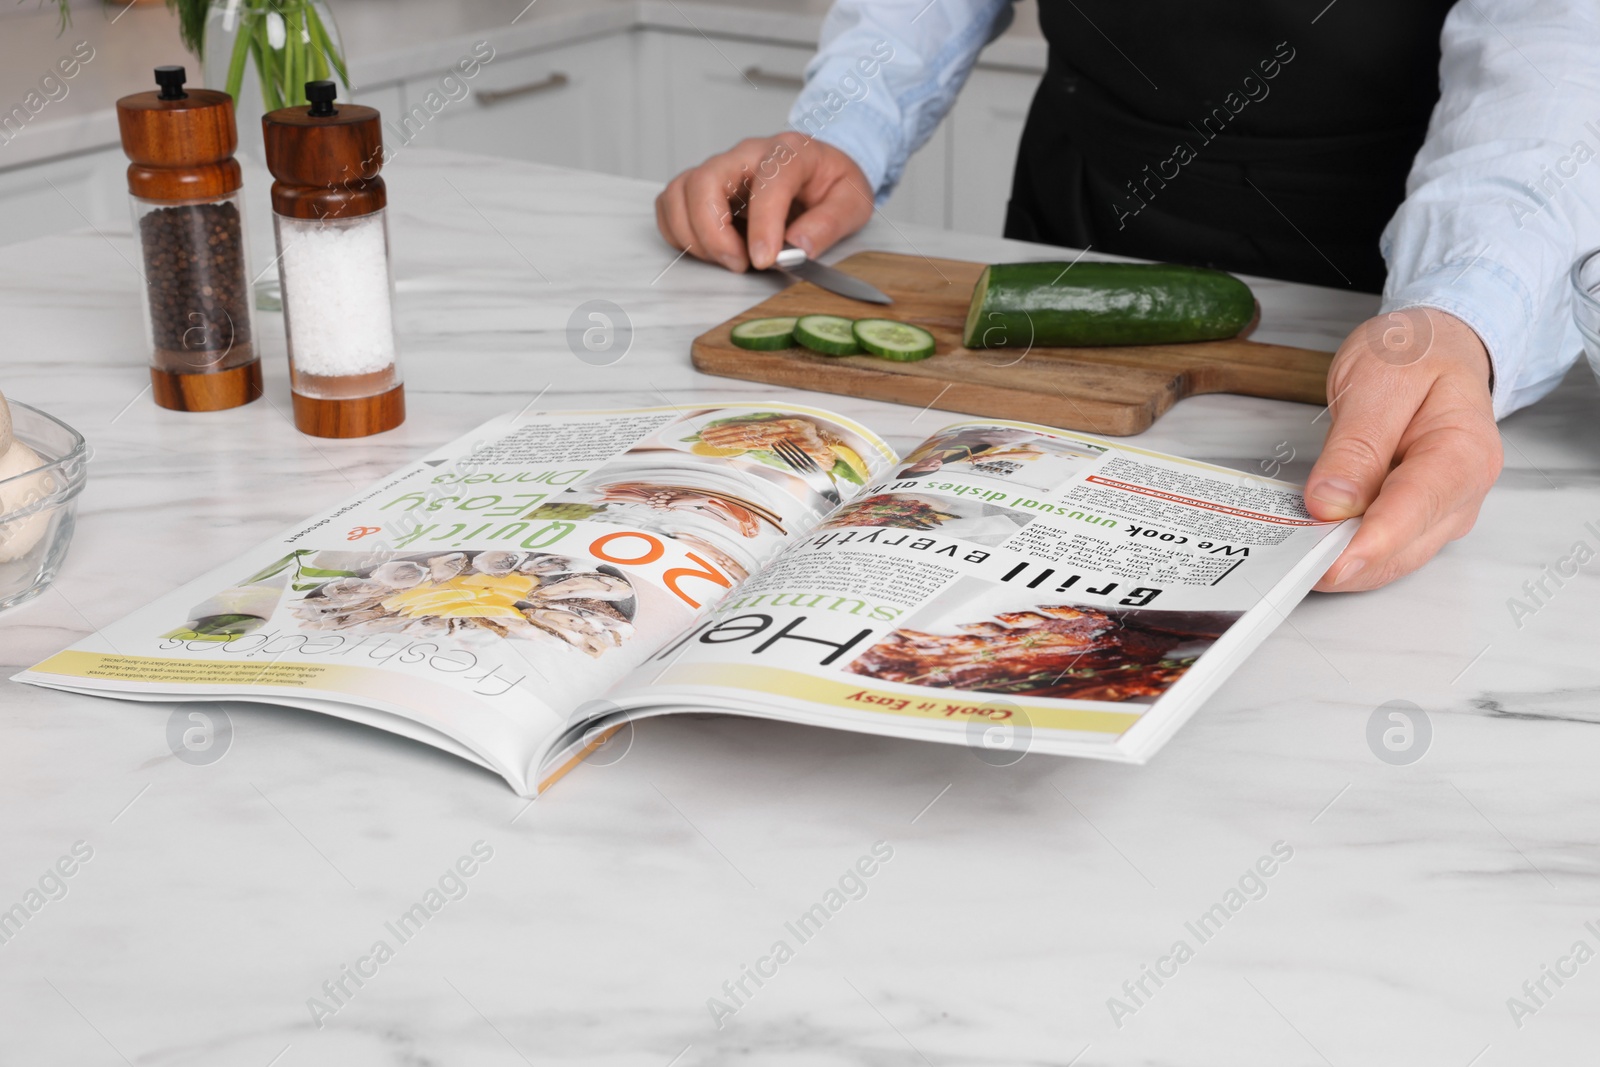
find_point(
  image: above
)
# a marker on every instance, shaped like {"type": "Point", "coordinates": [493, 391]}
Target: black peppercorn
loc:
{"type": "Point", "coordinates": [199, 294]}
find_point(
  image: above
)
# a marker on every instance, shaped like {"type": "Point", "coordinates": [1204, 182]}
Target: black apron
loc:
{"type": "Point", "coordinates": [1239, 135]}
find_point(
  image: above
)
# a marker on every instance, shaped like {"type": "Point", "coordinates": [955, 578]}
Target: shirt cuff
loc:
{"type": "Point", "coordinates": [1491, 299]}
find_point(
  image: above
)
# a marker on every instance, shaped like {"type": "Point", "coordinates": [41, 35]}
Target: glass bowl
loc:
{"type": "Point", "coordinates": [38, 506]}
{"type": "Point", "coordinates": [1586, 304]}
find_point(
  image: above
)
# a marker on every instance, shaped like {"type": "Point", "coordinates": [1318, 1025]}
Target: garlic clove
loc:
{"type": "Point", "coordinates": [21, 535]}
{"type": "Point", "coordinates": [5, 424]}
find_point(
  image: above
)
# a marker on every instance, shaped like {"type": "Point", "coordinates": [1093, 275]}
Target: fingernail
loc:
{"type": "Point", "coordinates": [731, 261]}
{"type": "Point", "coordinates": [803, 243]}
{"type": "Point", "coordinates": [1351, 569]}
{"type": "Point", "coordinates": [760, 252]}
{"type": "Point", "coordinates": [1337, 493]}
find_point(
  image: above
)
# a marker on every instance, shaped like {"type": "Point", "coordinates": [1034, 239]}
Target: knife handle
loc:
{"type": "Point", "coordinates": [790, 257]}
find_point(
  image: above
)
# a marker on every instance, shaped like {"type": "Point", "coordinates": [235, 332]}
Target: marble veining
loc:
{"type": "Point", "coordinates": [1019, 900]}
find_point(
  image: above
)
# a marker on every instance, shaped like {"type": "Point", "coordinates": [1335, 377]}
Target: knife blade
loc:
{"type": "Point", "coordinates": [795, 263]}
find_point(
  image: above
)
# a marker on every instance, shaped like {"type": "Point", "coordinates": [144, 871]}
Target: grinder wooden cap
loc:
{"type": "Point", "coordinates": [181, 143]}
{"type": "Point", "coordinates": [325, 157]}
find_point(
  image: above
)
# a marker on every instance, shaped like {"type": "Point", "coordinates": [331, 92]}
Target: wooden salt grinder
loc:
{"type": "Point", "coordinates": [325, 162]}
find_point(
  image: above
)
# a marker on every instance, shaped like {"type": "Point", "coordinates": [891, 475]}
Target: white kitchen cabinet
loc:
{"type": "Point", "coordinates": [719, 91]}
{"type": "Point", "coordinates": [653, 106]}
{"type": "Point", "coordinates": [572, 106]}
{"type": "Point", "coordinates": [986, 129]}
{"type": "Point", "coordinates": [64, 194]}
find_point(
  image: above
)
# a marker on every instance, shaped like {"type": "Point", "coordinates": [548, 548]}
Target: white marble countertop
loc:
{"type": "Point", "coordinates": [219, 898]}
{"type": "Point", "coordinates": [385, 41]}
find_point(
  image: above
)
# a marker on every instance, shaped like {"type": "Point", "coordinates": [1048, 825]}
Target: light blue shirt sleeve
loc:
{"type": "Point", "coordinates": [886, 72]}
{"type": "Point", "coordinates": [1504, 194]}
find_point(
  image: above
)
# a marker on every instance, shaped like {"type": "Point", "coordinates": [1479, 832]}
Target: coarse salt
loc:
{"type": "Point", "coordinates": [336, 295]}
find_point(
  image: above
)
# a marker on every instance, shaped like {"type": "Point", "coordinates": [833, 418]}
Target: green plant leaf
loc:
{"type": "Point", "coordinates": [267, 67]}
{"type": "Point", "coordinates": [294, 75]}
{"type": "Point", "coordinates": [241, 52]}
{"type": "Point", "coordinates": [275, 568]}
{"type": "Point", "coordinates": [314, 54]}
{"type": "Point", "coordinates": [325, 46]}
{"type": "Point", "coordinates": [225, 624]}
{"type": "Point", "coordinates": [191, 23]}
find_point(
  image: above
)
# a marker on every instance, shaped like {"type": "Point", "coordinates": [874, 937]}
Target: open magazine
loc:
{"type": "Point", "coordinates": [524, 590]}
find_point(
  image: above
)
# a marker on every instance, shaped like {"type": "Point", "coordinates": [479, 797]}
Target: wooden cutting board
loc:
{"type": "Point", "coordinates": [1109, 391]}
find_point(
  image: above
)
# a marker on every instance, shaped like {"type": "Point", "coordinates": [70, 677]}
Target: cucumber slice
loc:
{"type": "Point", "coordinates": [893, 340]}
{"type": "Point", "coordinates": [764, 335]}
{"type": "Point", "coordinates": [828, 334]}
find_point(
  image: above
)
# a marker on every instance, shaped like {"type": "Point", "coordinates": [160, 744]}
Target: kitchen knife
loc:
{"type": "Point", "coordinates": [795, 263]}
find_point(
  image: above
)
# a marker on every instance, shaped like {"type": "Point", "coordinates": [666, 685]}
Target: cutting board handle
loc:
{"type": "Point", "coordinates": [1250, 368]}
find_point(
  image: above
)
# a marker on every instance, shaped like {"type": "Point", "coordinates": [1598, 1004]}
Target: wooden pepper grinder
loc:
{"type": "Point", "coordinates": [183, 183]}
{"type": "Point", "coordinates": [333, 259]}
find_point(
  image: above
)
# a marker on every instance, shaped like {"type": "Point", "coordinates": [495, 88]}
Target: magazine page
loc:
{"type": "Point", "coordinates": [483, 593]}
{"type": "Point", "coordinates": [1085, 592]}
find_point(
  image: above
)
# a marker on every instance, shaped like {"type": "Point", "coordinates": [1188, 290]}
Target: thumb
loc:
{"type": "Point", "coordinates": [1360, 449]}
{"type": "Point", "coordinates": [840, 211]}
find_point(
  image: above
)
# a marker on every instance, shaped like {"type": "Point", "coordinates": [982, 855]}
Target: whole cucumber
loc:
{"type": "Point", "coordinates": [1018, 305]}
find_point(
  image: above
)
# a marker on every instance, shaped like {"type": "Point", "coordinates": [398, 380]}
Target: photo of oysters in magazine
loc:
{"type": "Point", "coordinates": [1047, 649]}
{"type": "Point", "coordinates": [1024, 457]}
{"type": "Point", "coordinates": [536, 596]}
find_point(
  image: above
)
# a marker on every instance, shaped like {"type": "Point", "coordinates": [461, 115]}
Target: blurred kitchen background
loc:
{"type": "Point", "coordinates": [642, 88]}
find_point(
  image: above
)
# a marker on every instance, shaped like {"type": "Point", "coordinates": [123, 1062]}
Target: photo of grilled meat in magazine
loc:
{"type": "Point", "coordinates": [519, 593]}
{"type": "Point", "coordinates": [1056, 649]}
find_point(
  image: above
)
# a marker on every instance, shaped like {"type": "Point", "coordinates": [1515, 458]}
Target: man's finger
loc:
{"type": "Point", "coordinates": [768, 213]}
{"type": "Point", "coordinates": [1371, 409]}
{"type": "Point", "coordinates": [776, 178]}
{"type": "Point", "coordinates": [712, 192]}
{"type": "Point", "coordinates": [1362, 579]}
{"type": "Point", "coordinates": [676, 210]}
{"type": "Point", "coordinates": [837, 213]}
{"type": "Point", "coordinates": [1430, 499]}
{"type": "Point", "coordinates": [671, 216]}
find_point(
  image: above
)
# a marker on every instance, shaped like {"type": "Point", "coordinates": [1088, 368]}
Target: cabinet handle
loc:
{"type": "Point", "coordinates": [759, 77]}
{"type": "Point", "coordinates": [491, 97]}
